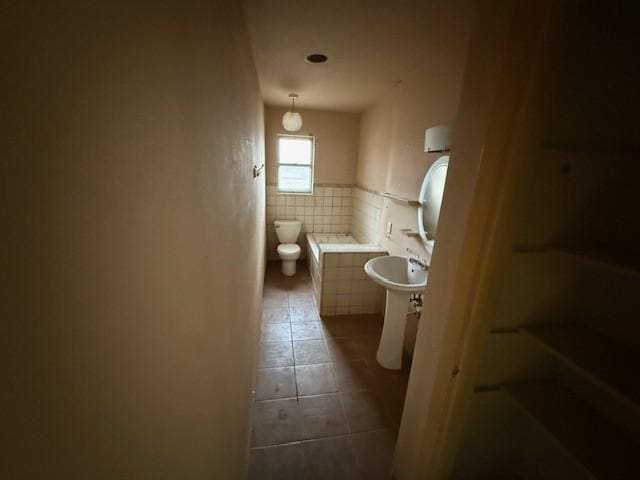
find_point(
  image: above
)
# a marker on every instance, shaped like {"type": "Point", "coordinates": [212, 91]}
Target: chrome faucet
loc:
{"type": "Point", "coordinates": [419, 262]}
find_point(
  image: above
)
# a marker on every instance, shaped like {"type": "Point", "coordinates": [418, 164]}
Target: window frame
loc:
{"type": "Point", "coordinates": [311, 165]}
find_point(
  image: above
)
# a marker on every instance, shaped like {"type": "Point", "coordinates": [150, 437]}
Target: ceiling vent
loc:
{"type": "Point", "coordinates": [317, 58]}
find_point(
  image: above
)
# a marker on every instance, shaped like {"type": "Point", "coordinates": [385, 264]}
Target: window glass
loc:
{"type": "Point", "coordinates": [295, 164]}
{"type": "Point", "coordinates": [295, 150]}
{"type": "Point", "coordinates": [294, 179]}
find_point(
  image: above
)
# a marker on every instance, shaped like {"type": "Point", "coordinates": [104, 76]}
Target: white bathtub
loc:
{"type": "Point", "coordinates": [336, 265]}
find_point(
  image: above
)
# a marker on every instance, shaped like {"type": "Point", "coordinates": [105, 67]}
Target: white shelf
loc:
{"type": "Point", "coordinates": [401, 200]}
{"type": "Point", "coordinates": [604, 260]}
{"type": "Point", "coordinates": [605, 363]}
{"type": "Point", "coordinates": [594, 443]}
{"type": "Point", "coordinates": [614, 264]}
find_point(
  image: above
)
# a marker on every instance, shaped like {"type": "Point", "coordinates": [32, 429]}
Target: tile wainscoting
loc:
{"type": "Point", "coordinates": [331, 209]}
{"type": "Point", "coordinates": [346, 288]}
{"type": "Point", "coordinates": [328, 210]}
{"type": "Point", "coordinates": [367, 216]}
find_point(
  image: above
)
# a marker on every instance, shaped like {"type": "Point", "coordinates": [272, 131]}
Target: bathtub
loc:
{"type": "Point", "coordinates": [336, 266]}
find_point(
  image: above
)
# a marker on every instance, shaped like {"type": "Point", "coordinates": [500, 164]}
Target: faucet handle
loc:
{"type": "Point", "coordinates": [419, 262]}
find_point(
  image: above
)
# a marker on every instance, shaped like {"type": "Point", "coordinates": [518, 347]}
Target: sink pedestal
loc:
{"type": "Point", "coordinates": [400, 277]}
{"type": "Point", "coordinates": [389, 353]}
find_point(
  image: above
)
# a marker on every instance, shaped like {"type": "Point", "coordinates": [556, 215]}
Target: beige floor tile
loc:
{"type": "Point", "coordinates": [337, 327]}
{"type": "Point", "coordinates": [315, 379]}
{"type": "Point", "coordinates": [276, 422]}
{"type": "Point", "coordinates": [279, 382]}
{"type": "Point", "coordinates": [330, 458]}
{"type": "Point", "coordinates": [304, 314]}
{"type": "Point", "coordinates": [275, 354]}
{"type": "Point", "coordinates": [344, 349]}
{"type": "Point", "coordinates": [373, 454]}
{"type": "Point", "coordinates": [367, 326]}
{"type": "Point", "coordinates": [364, 411]}
{"type": "Point", "coordinates": [276, 315]}
{"type": "Point", "coordinates": [282, 462]}
{"type": "Point", "coordinates": [322, 416]}
{"type": "Point", "coordinates": [275, 332]}
{"type": "Point", "coordinates": [275, 302]}
{"type": "Point", "coordinates": [274, 289]}
{"type": "Point", "coordinates": [306, 436]}
{"type": "Point", "coordinates": [306, 331]}
{"type": "Point", "coordinates": [353, 376]}
{"type": "Point", "coordinates": [301, 299]}
{"type": "Point", "coordinates": [306, 352]}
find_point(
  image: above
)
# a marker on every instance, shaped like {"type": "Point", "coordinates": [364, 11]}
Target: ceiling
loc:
{"type": "Point", "coordinates": [371, 45]}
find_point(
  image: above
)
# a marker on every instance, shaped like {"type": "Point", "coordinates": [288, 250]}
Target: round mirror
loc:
{"type": "Point", "coordinates": [431, 199]}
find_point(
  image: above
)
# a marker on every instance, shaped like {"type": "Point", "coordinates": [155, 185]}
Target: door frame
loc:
{"type": "Point", "coordinates": [497, 128]}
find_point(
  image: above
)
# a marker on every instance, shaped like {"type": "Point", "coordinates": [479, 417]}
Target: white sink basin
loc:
{"type": "Point", "coordinates": [397, 273]}
{"type": "Point", "coordinates": [401, 278]}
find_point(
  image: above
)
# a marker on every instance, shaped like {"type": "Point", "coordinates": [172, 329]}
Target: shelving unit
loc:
{"type": "Point", "coordinates": [603, 361]}
{"type": "Point", "coordinates": [573, 259]}
{"type": "Point", "coordinates": [611, 263]}
{"type": "Point", "coordinates": [603, 450]}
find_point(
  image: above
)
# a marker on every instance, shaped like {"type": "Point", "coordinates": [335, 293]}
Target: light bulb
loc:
{"type": "Point", "coordinates": [292, 121]}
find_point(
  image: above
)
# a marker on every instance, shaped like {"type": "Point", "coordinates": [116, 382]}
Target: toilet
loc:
{"type": "Point", "coordinates": [288, 250]}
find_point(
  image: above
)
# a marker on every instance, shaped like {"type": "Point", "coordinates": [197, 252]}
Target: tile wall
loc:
{"type": "Point", "coordinates": [367, 215]}
{"type": "Point", "coordinates": [315, 272]}
{"type": "Point", "coordinates": [346, 288]}
{"type": "Point", "coordinates": [328, 210]}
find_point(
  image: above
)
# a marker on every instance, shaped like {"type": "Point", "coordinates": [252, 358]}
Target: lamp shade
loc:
{"type": "Point", "coordinates": [292, 121]}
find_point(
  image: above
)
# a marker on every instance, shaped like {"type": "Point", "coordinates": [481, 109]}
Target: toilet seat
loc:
{"type": "Point", "coordinates": [289, 251]}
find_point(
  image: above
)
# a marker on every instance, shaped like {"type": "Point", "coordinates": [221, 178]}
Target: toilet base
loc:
{"type": "Point", "coordinates": [289, 268]}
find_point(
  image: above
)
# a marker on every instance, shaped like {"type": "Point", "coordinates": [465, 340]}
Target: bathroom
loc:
{"type": "Point", "coordinates": [430, 273]}
{"type": "Point", "coordinates": [362, 153]}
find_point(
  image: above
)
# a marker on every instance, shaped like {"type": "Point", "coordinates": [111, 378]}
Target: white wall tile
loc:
{"type": "Point", "coordinates": [329, 311]}
{"type": "Point", "coordinates": [342, 300]}
{"type": "Point", "coordinates": [345, 273]}
{"type": "Point", "coordinates": [329, 299]}
{"type": "Point", "coordinates": [359, 259]}
{"type": "Point", "coordinates": [331, 259]}
{"type": "Point", "coordinates": [344, 286]}
{"type": "Point", "coordinates": [346, 260]}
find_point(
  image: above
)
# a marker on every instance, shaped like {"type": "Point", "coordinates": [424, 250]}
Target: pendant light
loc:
{"type": "Point", "coordinates": [292, 121]}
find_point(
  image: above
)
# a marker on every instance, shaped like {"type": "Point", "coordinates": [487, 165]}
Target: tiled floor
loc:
{"type": "Point", "coordinates": [324, 408]}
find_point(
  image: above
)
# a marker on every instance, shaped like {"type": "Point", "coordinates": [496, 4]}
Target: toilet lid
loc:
{"type": "Point", "coordinates": [289, 248]}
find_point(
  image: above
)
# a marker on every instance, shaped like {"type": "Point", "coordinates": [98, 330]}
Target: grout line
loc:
{"type": "Point", "coordinates": [293, 351]}
{"type": "Point", "coordinates": [344, 411]}
{"type": "Point", "coordinates": [328, 437]}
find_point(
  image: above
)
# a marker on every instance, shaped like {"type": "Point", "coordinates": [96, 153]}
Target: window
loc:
{"type": "Point", "coordinates": [295, 164]}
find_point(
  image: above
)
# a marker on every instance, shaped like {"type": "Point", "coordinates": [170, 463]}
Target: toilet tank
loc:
{"type": "Point", "coordinates": [288, 230]}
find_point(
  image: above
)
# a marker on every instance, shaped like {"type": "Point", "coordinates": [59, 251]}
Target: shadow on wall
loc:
{"type": "Point", "coordinates": [127, 301]}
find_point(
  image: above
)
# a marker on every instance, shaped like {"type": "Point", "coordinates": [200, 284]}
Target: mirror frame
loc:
{"type": "Point", "coordinates": [424, 235]}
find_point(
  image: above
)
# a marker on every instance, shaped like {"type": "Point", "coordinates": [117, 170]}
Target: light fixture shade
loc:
{"type": "Point", "coordinates": [292, 121]}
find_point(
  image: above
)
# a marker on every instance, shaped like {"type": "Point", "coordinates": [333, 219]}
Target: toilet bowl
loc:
{"type": "Point", "coordinates": [288, 250]}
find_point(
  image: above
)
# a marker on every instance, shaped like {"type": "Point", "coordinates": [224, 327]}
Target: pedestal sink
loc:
{"type": "Point", "coordinates": [401, 277]}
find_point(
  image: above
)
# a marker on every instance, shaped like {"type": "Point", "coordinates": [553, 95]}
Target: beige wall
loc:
{"type": "Point", "coordinates": [391, 146]}
{"type": "Point", "coordinates": [391, 155]}
{"type": "Point", "coordinates": [374, 146]}
{"type": "Point", "coordinates": [336, 143]}
{"type": "Point", "coordinates": [133, 235]}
